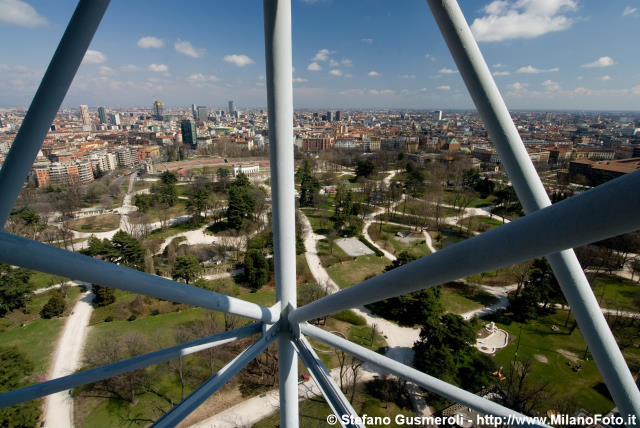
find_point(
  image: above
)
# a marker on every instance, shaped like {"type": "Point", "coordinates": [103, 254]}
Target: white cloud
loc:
{"type": "Point", "coordinates": [356, 92]}
{"type": "Point", "coordinates": [529, 69]}
{"type": "Point", "coordinates": [346, 62]}
{"type": "Point", "coordinates": [299, 80]}
{"type": "Point", "coordinates": [550, 85]}
{"type": "Point", "coordinates": [201, 78]}
{"type": "Point", "coordinates": [322, 55]}
{"type": "Point", "coordinates": [629, 11]}
{"type": "Point", "coordinates": [498, 65]}
{"type": "Point", "coordinates": [381, 92]}
{"type": "Point", "coordinates": [444, 88]}
{"type": "Point", "coordinates": [335, 72]}
{"type": "Point", "coordinates": [373, 74]}
{"type": "Point", "coordinates": [367, 41]}
{"type": "Point", "coordinates": [186, 48]}
{"type": "Point", "coordinates": [106, 71]}
{"type": "Point", "coordinates": [517, 86]}
{"type": "Point", "coordinates": [635, 90]}
{"type": "Point", "coordinates": [238, 60]}
{"type": "Point", "coordinates": [447, 71]}
{"type": "Point", "coordinates": [505, 20]}
{"type": "Point", "coordinates": [333, 63]}
{"type": "Point", "coordinates": [348, 75]}
{"type": "Point", "coordinates": [501, 73]}
{"type": "Point", "coordinates": [150, 42]}
{"type": "Point", "coordinates": [130, 67]}
{"type": "Point", "coordinates": [407, 76]}
{"type": "Point", "coordinates": [20, 13]}
{"type": "Point", "coordinates": [603, 61]}
{"type": "Point", "coordinates": [158, 68]}
{"type": "Point", "coordinates": [606, 77]}
{"type": "Point", "coordinates": [93, 57]}
{"type": "Point", "coordinates": [314, 66]}
{"type": "Point", "coordinates": [431, 57]}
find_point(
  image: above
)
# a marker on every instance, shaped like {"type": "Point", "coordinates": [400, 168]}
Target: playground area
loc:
{"type": "Point", "coordinates": [491, 339]}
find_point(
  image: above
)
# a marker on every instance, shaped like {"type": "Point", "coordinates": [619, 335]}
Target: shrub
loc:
{"type": "Point", "coordinates": [371, 246]}
{"type": "Point", "coordinates": [54, 306]}
{"type": "Point", "coordinates": [350, 317]}
{"type": "Point", "coordinates": [108, 319]}
{"type": "Point", "coordinates": [132, 317]}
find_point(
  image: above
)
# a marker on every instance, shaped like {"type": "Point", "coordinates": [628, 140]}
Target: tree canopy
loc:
{"type": "Point", "coordinates": [256, 269]}
{"type": "Point", "coordinates": [15, 291]}
{"type": "Point", "coordinates": [187, 268]}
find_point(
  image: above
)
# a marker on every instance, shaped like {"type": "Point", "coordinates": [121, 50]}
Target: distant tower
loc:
{"type": "Point", "coordinates": [158, 109]}
{"type": "Point", "coordinates": [338, 115]}
{"type": "Point", "coordinates": [437, 115]}
{"type": "Point", "coordinates": [84, 114]}
{"type": "Point", "coordinates": [189, 135]}
{"type": "Point", "coordinates": [202, 113]}
{"type": "Point", "coordinates": [115, 118]}
{"type": "Point", "coordinates": [232, 107]}
{"type": "Point", "coordinates": [194, 111]}
{"type": "Point", "coordinates": [103, 114]}
{"type": "Point", "coordinates": [329, 116]}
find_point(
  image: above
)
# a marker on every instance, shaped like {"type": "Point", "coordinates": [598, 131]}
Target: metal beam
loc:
{"type": "Point", "coordinates": [204, 391]}
{"type": "Point", "coordinates": [19, 251]}
{"type": "Point", "coordinates": [47, 100]}
{"type": "Point", "coordinates": [279, 69]}
{"type": "Point", "coordinates": [531, 192]}
{"type": "Point", "coordinates": [612, 209]}
{"type": "Point", "coordinates": [428, 382]}
{"type": "Point", "coordinates": [110, 370]}
{"type": "Point", "coordinates": [347, 416]}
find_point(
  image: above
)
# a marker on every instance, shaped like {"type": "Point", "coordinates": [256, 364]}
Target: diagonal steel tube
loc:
{"type": "Point", "coordinates": [531, 192]}
{"type": "Point", "coordinates": [279, 69]}
{"type": "Point", "coordinates": [47, 100]}
{"type": "Point", "coordinates": [613, 207]}
{"type": "Point", "coordinates": [428, 382]}
{"type": "Point", "coordinates": [204, 391]}
{"type": "Point", "coordinates": [110, 370]}
{"type": "Point", "coordinates": [19, 251]}
{"type": "Point", "coordinates": [347, 416]}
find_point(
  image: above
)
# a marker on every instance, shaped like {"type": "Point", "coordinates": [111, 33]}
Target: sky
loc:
{"type": "Point", "coordinates": [544, 54]}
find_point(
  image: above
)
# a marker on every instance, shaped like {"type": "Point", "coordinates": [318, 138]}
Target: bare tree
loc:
{"type": "Point", "coordinates": [520, 391]}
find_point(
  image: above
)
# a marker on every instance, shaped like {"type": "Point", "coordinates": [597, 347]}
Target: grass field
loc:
{"type": "Point", "coordinates": [459, 299]}
{"type": "Point", "coordinates": [96, 223]}
{"type": "Point", "coordinates": [617, 293]}
{"type": "Point", "coordinates": [447, 237]}
{"type": "Point", "coordinates": [536, 338]}
{"type": "Point", "coordinates": [387, 240]}
{"type": "Point", "coordinates": [480, 223]}
{"type": "Point", "coordinates": [42, 280]}
{"type": "Point", "coordinates": [319, 219]}
{"type": "Point", "coordinates": [351, 272]}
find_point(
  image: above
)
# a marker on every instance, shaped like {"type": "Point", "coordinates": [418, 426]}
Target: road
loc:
{"type": "Point", "coordinates": [58, 407]}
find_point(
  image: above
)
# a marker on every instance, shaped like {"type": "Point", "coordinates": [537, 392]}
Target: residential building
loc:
{"type": "Point", "coordinates": [189, 134]}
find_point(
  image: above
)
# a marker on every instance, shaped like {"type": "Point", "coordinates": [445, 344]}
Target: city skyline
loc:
{"type": "Point", "coordinates": [565, 55]}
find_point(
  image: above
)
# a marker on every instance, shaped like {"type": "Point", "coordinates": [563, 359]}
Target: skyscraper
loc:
{"type": "Point", "coordinates": [158, 108]}
{"type": "Point", "coordinates": [102, 112]}
{"type": "Point", "coordinates": [84, 114]}
{"type": "Point", "coordinates": [437, 115]}
{"type": "Point", "coordinates": [115, 118]}
{"type": "Point", "coordinates": [189, 135]}
{"type": "Point", "coordinates": [232, 107]}
{"type": "Point", "coordinates": [202, 113]}
{"type": "Point", "coordinates": [338, 115]}
{"type": "Point", "coordinates": [329, 116]}
{"type": "Point", "coordinates": [194, 111]}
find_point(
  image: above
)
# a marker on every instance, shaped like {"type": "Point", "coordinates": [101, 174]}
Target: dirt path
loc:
{"type": "Point", "coordinates": [58, 412]}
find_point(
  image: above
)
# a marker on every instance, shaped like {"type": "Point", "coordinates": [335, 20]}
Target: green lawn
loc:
{"type": "Point", "coordinates": [459, 299]}
{"type": "Point", "coordinates": [537, 338]}
{"type": "Point", "coordinates": [480, 223]}
{"type": "Point", "coordinates": [351, 272]}
{"type": "Point", "coordinates": [319, 219]}
{"type": "Point", "coordinates": [42, 280]}
{"type": "Point", "coordinates": [447, 237]}
{"type": "Point", "coordinates": [96, 223]}
{"type": "Point", "coordinates": [617, 293]}
{"type": "Point", "coordinates": [388, 240]}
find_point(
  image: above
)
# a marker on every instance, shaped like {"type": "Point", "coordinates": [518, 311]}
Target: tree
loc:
{"type": "Point", "coordinates": [15, 291]}
{"type": "Point", "coordinates": [520, 391]}
{"type": "Point", "coordinates": [365, 168]}
{"type": "Point", "coordinates": [169, 177]}
{"type": "Point", "coordinates": [198, 202]}
{"type": "Point", "coordinates": [129, 250]}
{"type": "Point", "coordinates": [241, 204]}
{"type": "Point", "coordinates": [54, 306]}
{"type": "Point", "coordinates": [256, 269]}
{"type": "Point", "coordinates": [15, 368]}
{"type": "Point", "coordinates": [187, 268]}
{"type": "Point", "coordinates": [143, 202]}
{"type": "Point", "coordinates": [103, 295]}
{"type": "Point", "coordinates": [415, 183]}
{"type": "Point", "coordinates": [309, 185]}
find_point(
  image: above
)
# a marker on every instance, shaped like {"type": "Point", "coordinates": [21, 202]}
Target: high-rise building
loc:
{"type": "Point", "coordinates": [202, 113]}
{"type": "Point", "coordinates": [84, 114]}
{"type": "Point", "coordinates": [102, 113]}
{"type": "Point", "coordinates": [115, 118]}
{"type": "Point", "coordinates": [329, 116]}
{"type": "Point", "coordinates": [189, 135]}
{"type": "Point", "coordinates": [232, 107]}
{"type": "Point", "coordinates": [194, 111]}
{"type": "Point", "coordinates": [437, 115]}
{"type": "Point", "coordinates": [338, 116]}
{"type": "Point", "coordinates": [158, 109]}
